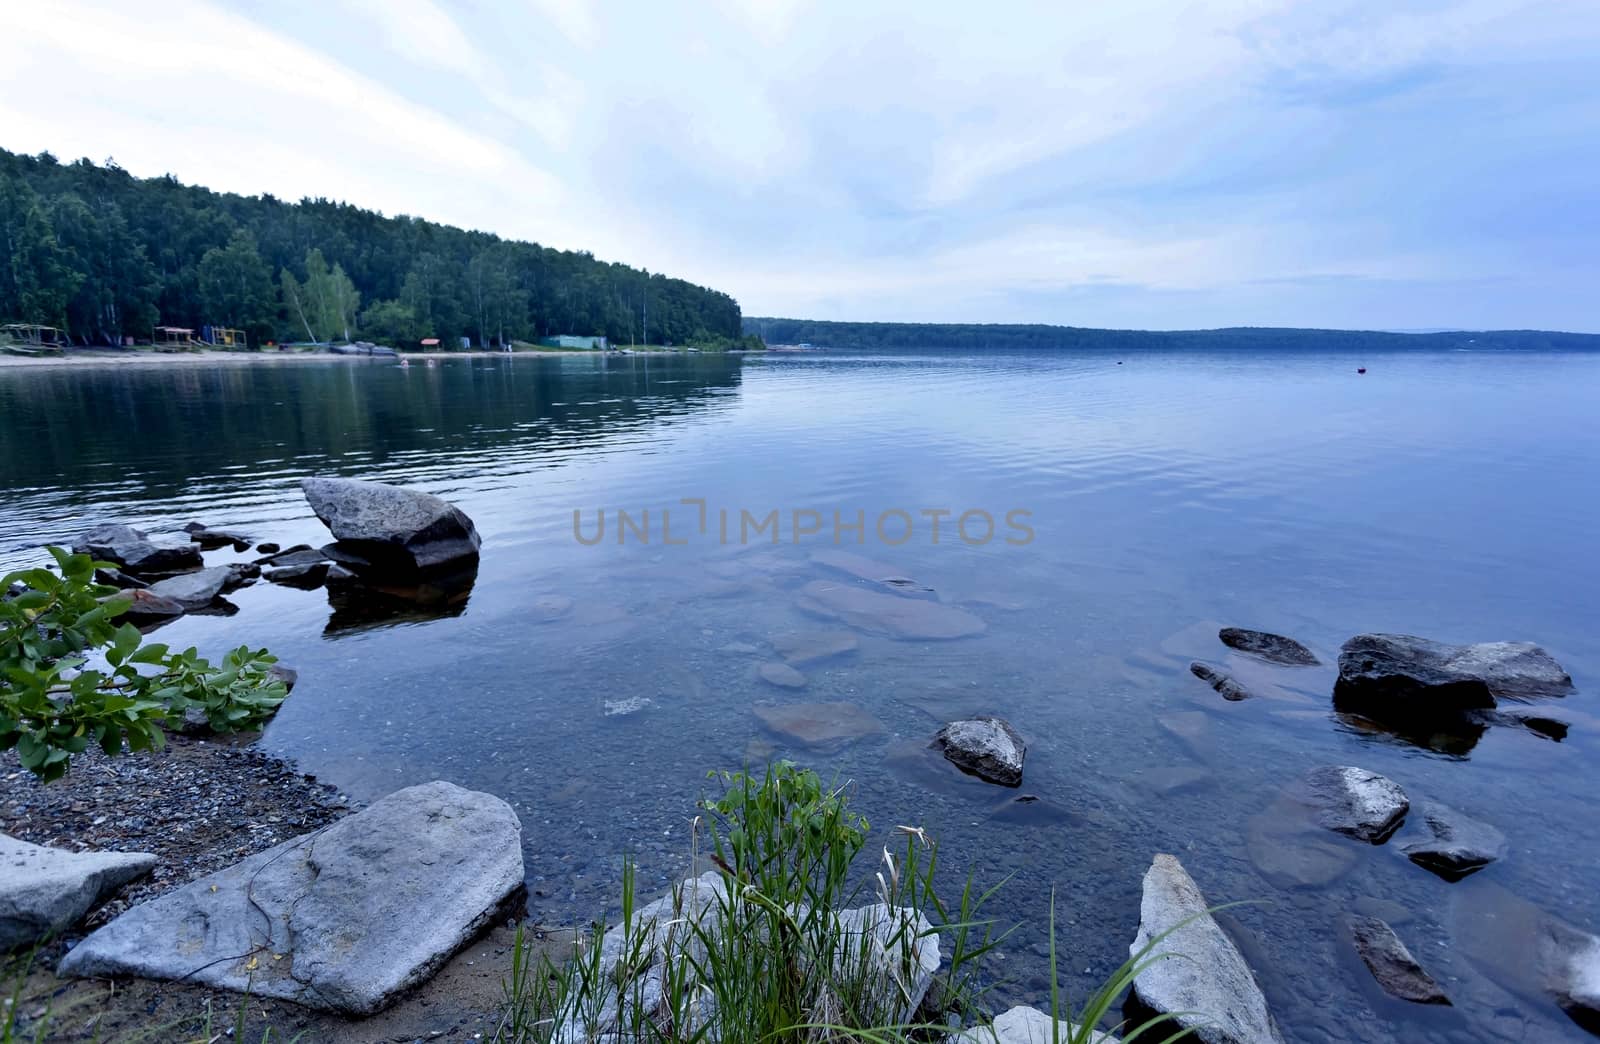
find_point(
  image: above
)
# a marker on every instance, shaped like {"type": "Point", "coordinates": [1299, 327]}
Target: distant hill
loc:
{"type": "Point", "coordinates": [1019, 336]}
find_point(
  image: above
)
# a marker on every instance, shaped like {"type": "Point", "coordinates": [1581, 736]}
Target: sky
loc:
{"type": "Point", "coordinates": [1123, 163]}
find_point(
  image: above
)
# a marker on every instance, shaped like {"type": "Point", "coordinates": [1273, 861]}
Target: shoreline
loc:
{"type": "Point", "coordinates": [88, 357]}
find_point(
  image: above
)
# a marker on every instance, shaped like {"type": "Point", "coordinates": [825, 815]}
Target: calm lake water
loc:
{"type": "Point", "coordinates": [1449, 495]}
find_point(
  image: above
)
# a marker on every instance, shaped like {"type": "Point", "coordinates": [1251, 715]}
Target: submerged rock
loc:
{"type": "Point", "coordinates": [1530, 951]}
{"type": "Point", "coordinates": [136, 553]}
{"type": "Point", "coordinates": [1453, 844]}
{"type": "Point", "coordinates": [1391, 964]}
{"type": "Point", "coordinates": [145, 609]}
{"type": "Point", "coordinates": [908, 619]}
{"type": "Point", "coordinates": [1023, 1025]}
{"type": "Point", "coordinates": [342, 919]}
{"type": "Point", "coordinates": [819, 724]}
{"type": "Point", "coordinates": [1382, 670]}
{"type": "Point", "coordinates": [806, 648]}
{"type": "Point", "coordinates": [863, 568]}
{"type": "Point", "coordinates": [392, 527]}
{"type": "Point", "coordinates": [1223, 683]}
{"type": "Point", "coordinates": [987, 747]}
{"type": "Point", "coordinates": [781, 675]}
{"type": "Point", "coordinates": [1355, 802]}
{"type": "Point", "coordinates": [44, 891]}
{"type": "Point", "coordinates": [1204, 982]}
{"type": "Point", "coordinates": [1274, 648]}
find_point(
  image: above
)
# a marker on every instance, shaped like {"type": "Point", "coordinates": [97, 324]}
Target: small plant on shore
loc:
{"type": "Point", "coordinates": [53, 703]}
{"type": "Point", "coordinates": [764, 949]}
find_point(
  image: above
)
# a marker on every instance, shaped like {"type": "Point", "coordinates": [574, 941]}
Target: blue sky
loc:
{"type": "Point", "coordinates": [1134, 164]}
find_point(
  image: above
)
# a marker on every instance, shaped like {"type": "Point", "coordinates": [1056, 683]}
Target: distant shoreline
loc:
{"type": "Point", "coordinates": [146, 358]}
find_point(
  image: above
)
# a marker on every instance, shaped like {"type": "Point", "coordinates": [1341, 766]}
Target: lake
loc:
{"type": "Point", "coordinates": [1451, 495]}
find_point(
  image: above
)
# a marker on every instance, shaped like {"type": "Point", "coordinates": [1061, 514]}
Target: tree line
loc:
{"type": "Point", "coordinates": [95, 251]}
{"type": "Point", "coordinates": [1000, 336]}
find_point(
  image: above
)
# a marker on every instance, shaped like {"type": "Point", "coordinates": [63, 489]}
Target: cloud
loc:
{"type": "Point", "coordinates": [1337, 162]}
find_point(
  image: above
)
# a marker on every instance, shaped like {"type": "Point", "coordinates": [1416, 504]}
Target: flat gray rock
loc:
{"type": "Point", "coordinates": [1388, 668]}
{"type": "Point", "coordinates": [1225, 684]}
{"type": "Point", "coordinates": [342, 919]}
{"type": "Point", "coordinates": [135, 552]}
{"type": "Point", "coordinates": [1391, 964]}
{"type": "Point", "coordinates": [863, 568]}
{"type": "Point", "coordinates": [195, 590]}
{"type": "Point", "coordinates": [1205, 983]}
{"type": "Point", "coordinates": [48, 890]}
{"type": "Point", "coordinates": [1024, 1025]}
{"type": "Point", "coordinates": [145, 608]}
{"type": "Point", "coordinates": [987, 747]}
{"type": "Point", "coordinates": [808, 647]}
{"type": "Point", "coordinates": [819, 724]}
{"type": "Point", "coordinates": [392, 526]}
{"type": "Point", "coordinates": [1354, 802]}
{"type": "Point", "coordinates": [908, 619]}
{"type": "Point", "coordinates": [1273, 648]}
{"type": "Point", "coordinates": [1453, 844]}
{"type": "Point", "coordinates": [781, 675]}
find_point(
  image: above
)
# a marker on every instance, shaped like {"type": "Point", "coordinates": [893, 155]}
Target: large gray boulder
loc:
{"type": "Point", "coordinates": [342, 919]}
{"type": "Point", "coordinates": [47, 890]}
{"type": "Point", "coordinates": [1391, 964]}
{"type": "Point", "coordinates": [1204, 981]}
{"type": "Point", "coordinates": [1354, 802]}
{"type": "Point", "coordinates": [1386, 670]}
{"type": "Point", "coordinates": [392, 527]}
{"type": "Point", "coordinates": [1452, 844]}
{"type": "Point", "coordinates": [988, 747]}
{"type": "Point", "coordinates": [135, 552]}
{"type": "Point", "coordinates": [1024, 1025]}
{"type": "Point", "coordinates": [908, 619]}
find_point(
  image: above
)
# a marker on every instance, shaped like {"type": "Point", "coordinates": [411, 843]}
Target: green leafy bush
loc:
{"type": "Point", "coordinates": [53, 703]}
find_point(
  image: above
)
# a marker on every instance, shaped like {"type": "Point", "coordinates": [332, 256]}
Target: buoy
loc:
{"type": "Point", "coordinates": [1361, 369]}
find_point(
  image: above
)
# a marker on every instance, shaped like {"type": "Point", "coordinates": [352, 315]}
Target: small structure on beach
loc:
{"type": "Point", "coordinates": [570, 341]}
{"type": "Point", "coordinates": [31, 339]}
{"type": "Point", "coordinates": [225, 337]}
{"type": "Point", "coordinates": [174, 339]}
{"type": "Point", "coordinates": [430, 343]}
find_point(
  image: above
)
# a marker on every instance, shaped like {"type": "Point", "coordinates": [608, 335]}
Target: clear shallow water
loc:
{"type": "Point", "coordinates": [1450, 495]}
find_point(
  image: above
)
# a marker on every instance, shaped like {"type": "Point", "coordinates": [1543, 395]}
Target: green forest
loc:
{"type": "Point", "coordinates": [103, 255]}
{"type": "Point", "coordinates": [975, 336]}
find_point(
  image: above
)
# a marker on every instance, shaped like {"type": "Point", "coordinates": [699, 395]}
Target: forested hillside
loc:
{"type": "Point", "coordinates": [1000, 336]}
{"type": "Point", "coordinates": [105, 255]}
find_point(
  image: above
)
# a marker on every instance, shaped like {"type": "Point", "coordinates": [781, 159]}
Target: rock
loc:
{"type": "Point", "coordinates": [545, 608]}
{"type": "Point", "coordinates": [1382, 670]}
{"type": "Point", "coordinates": [338, 574]}
{"type": "Point", "coordinates": [987, 747]}
{"type": "Point", "coordinates": [146, 608]}
{"type": "Point", "coordinates": [1529, 951]}
{"type": "Point", "coordinates": [1204, 982]}
{"type": "Point", "coordinates": [806, 648]}
{"type": "Point", "coordinates": [1023, 1025]}
{"type": "Point", "coordinates": [905, 953]}
{"type": "Point", "coordinates": [288, 675]}
{"type": "Point", "coordinates": [193, 590]}
{"type": "Point", "coordinates": [306, 575]}
{"type": "Point", "coordinates": [739, 649]}
{"type": "Point", "coordinates": [1391, 964]}
{"type": "Point", "coordinates": [342, 919]}
{"type": "Point", "coordinates": [1354, 802]}
{"type": "Point", "coordinates": [1274, 648]}
{"type": "Point", "coordinates": [294, 558]}
{"type": "Point", "coordinates": [136, 553]}
{"type": "Point", "coordinates": [908, 619]}
{"type": "Point", "coordinates": [240, 574]}
{"type": "Point", "coordinates": [44, 891]}
{"type": "Point", "coordinates": [819, 724]}
{"type": "Point", "coordinates": [391, 526]}
{"type": "Point", "coordinates": [277, 557]}
{"type": "Point", "coordinates": [1223, 683]}
{"type": "Point", "coordinates": [781, 675]}
{"type": "Point", "coordinates": [863, 568]}
{"type": "Point", "coordinates": [210, 539]}
{"type": "Point", "coordinates": [1454, 845]}
{"type": "Point", "coordinates": [267, 547]}
{"type": "Point", "coordinates": [1292, 854]}
{"type": "Point", "coordinates": [1174, 779]}
{"type": "Point", "coordinates": [117, 578]}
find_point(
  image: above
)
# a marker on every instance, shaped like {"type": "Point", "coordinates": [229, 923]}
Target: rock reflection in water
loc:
{"type": "Point", "coordinates": [367, 604]}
